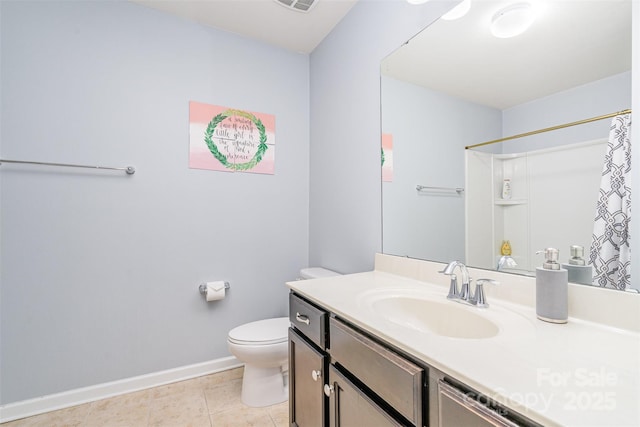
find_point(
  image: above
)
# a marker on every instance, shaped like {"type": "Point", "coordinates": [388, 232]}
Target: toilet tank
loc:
{"type": "Point", "coordinates": [316, 273]}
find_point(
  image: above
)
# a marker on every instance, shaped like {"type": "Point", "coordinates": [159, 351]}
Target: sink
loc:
{"type": "Point", "coordinates": [444, 318]}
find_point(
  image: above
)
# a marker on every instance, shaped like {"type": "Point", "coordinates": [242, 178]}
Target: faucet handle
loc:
{"type": "Point", "coordinates": [453, 287]}
{"type": "Point", "coordinates": [479, 299]}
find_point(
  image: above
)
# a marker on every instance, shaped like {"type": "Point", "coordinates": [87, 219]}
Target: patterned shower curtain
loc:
{"type": "Point", "coordinates": [610, 251]}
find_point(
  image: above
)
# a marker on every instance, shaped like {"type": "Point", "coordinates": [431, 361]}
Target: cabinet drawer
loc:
{"type": "Point", "coordinates": [393, 378]}
{"type": "Point", "coordinates": [308, 319]}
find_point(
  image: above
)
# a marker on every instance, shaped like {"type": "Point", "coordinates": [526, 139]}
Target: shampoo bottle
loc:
{"type": "Point", "coordinates": [506, 188]}
{"type": "Point", "coordinates": [579, 271]}
{"type": "Point", "coordinates": [552, 289]}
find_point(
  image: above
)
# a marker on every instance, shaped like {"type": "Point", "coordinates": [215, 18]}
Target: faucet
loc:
{"type": "Point", "coordinates": [506, 261]}
{"type": "Point", "coordinates": [464, 292]}
{"type": "Point", "coordinates": [478, 298]}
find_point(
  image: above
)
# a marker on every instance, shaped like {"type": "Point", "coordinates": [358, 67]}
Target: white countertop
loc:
{"type": "Point", "coordinates": [574, 374]}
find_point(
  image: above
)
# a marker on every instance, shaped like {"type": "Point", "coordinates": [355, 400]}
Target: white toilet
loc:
{"type": "Point", "coordinates": [263, 347]}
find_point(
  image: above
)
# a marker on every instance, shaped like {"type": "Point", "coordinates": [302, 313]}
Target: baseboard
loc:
{"type": "Point", "coordinates": [52, 402]}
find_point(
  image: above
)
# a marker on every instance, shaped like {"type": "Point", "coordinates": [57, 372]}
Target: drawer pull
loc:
{"type": "Point", "coordinates": [302, 318]}
{"type": "Point", "coordinates": [316, 374]}
{"type": "Point", "coordinates": [328, 389]}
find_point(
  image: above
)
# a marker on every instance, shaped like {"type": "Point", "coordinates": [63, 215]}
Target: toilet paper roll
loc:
{"type": "Point", "coordinates": [215, 290]}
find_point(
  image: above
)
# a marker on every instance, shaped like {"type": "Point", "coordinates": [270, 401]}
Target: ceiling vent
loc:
{"type": "Point", "coordinates": [299, 5]}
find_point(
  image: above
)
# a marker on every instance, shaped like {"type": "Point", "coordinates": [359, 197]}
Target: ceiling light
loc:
{"type": "Point", "coordinates": [297, 5]}
{"type": "Point", "coordinates": [458, 12]}
{"type": "Point", "coordinates": [417, 1]}
{"type": "Point", "coordinates": [512, 20]}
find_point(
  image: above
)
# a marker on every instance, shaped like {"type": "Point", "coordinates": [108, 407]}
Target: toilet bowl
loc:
{"type": "Point", "coordinates": [263, 347]}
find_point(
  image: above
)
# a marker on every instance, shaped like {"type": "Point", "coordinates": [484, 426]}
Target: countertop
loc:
{"type": "Point", "coordinates": [575, 374]}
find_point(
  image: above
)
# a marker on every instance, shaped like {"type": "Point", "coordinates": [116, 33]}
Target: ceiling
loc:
{"type": "Point", "coordinates": [572, 42]}
{"type": "Point", "coordinates": [264, 20]}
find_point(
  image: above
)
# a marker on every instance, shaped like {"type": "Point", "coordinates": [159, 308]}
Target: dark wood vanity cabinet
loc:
{"type": "Point", "coordinates": [308, 363]}
{"type": "Point", "coordinates": [340, 376]}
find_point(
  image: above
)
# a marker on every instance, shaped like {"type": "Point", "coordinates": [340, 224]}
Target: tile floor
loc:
{"type": "Point", "coordinates": [208, 401]}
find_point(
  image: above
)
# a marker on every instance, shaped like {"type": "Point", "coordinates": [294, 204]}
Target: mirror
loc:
{"type": "Point", "coordinates": [455, 85]}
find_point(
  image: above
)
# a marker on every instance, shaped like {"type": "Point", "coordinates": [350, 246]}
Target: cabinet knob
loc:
{"type": "Point", "coordinates": [316, 374]}
{"type": "Point", "coordinates": [328, 389]}
{"type": "Point", "coordinates": [302, 318]}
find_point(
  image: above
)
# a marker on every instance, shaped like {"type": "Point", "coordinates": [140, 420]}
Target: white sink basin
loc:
{"type": "Point", "coordinates": [444, 318]}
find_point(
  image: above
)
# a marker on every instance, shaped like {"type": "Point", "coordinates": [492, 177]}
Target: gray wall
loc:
{"type": "Point", "coordinates": [430, 130]}
{"type": "Point", "coordinates": [100, 270]}
{"type": "Point", "coordinates": [597, 98]}
{"type": "Point", "coordinates": [345, 180]}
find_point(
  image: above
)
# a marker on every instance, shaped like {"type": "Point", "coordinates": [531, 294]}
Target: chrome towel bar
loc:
{"type": "Point", "coordinates": [427, 188]}
{"type": "Point", "coordinates": [130, 170]}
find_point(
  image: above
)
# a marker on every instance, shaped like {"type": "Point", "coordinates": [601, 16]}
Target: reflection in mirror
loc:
{"type": "Point", "coordinates": [455, 85]}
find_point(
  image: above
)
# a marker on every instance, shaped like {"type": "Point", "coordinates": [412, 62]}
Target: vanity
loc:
{"type": "Point", "coordinates": [386, 348]}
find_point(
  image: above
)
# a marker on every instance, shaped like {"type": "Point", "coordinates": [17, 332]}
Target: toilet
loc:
{"type": "Point", "coordinates": [263, 347]}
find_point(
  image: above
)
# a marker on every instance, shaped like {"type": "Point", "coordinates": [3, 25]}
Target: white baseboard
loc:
{"type": "Point", "coordinates": [52, 402]}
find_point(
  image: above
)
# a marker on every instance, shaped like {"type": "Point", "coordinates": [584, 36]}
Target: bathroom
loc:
{"type": "Point", "coordinates": [100, 271]}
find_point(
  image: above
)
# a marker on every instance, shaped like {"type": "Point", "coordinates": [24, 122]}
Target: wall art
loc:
{"type": "Point", "coordinates": [231, 140]}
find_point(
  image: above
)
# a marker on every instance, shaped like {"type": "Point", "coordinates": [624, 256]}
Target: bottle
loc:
{"type": "Point", "coordinates": [506, 188]}
{"type": "Point", "coordinates": [552, 289]}
{"type": "Point", "coordinates": [505, 248]}
{"type": "Point", "coordinates": [579, 271]}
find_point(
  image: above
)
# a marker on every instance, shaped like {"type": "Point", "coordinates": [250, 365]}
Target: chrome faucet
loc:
{"type": "Point", "coordinates": [506, 261]}
{"type": "Point", "coordinates": [478, 298]}
{"type": "Point", "coordinates": [464, 292]}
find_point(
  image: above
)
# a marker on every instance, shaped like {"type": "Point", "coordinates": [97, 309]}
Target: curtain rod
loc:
{"type": "Point", "coordinates": [566, 125]}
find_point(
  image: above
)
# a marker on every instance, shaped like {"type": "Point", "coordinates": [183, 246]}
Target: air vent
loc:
{"type": "Point", "coordinates": [298, 5]}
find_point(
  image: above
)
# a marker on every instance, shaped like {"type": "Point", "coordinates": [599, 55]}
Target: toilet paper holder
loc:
{"type": "Point", "coordinates": [203, 288]}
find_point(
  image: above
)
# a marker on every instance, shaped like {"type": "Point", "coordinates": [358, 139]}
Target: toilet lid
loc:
{"type": "Point", "coordinates": [267, 331]}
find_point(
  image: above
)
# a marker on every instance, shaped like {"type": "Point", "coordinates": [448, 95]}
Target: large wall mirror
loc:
{"type": "Point", "coordinates": [456, 85]}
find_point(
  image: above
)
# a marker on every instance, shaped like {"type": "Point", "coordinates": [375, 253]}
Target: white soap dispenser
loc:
{"type": "Point", "coordinates": [552, 289]}
{"type": "Point", "coordinates": [579, 271]}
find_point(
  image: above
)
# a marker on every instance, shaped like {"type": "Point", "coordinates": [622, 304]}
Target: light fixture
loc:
{"type": "Point", "coordinates": [417, 1]}
{"type": "Point", "coordinates": [512, 20]}
{"type": "Point", "coordinates": [297, 5]}
{"type": "Point", "coordinates": [458, 12]}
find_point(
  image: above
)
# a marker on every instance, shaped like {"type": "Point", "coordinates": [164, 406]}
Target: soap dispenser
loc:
{"type": "Point", "coordinates": [552, 289]}
{"type": "Point", "coordinates": [579, 271]}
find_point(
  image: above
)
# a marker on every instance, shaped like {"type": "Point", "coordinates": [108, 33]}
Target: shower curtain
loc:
{"type": "Point", "coordinates": [610, 250]}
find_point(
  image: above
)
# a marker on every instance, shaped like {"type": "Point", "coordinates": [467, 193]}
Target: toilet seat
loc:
{"type": "Point", "coordinates": [261, 332]}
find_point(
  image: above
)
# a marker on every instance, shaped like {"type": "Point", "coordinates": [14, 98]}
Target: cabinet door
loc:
{"type": "Point", "coordinates": [457, 408]}
{"type": "Point", "coordinates": [307, 402]}
{"type": "Point", "coordinates": [350, 407]}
